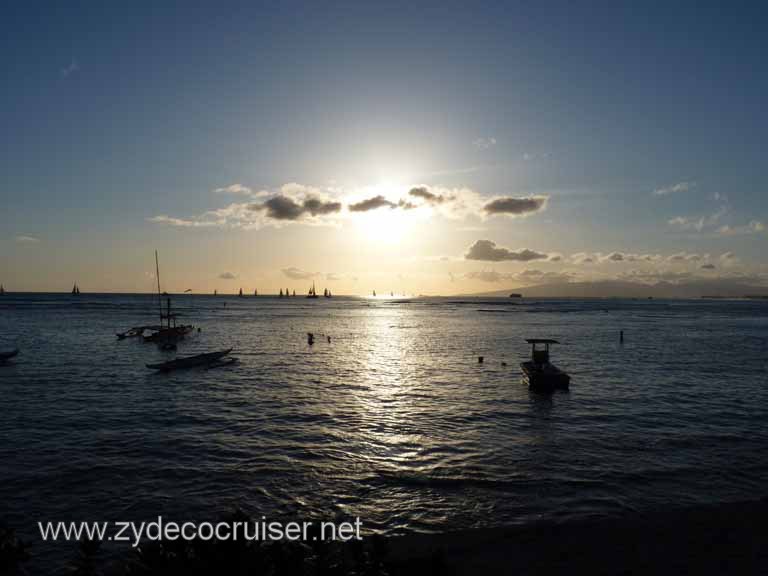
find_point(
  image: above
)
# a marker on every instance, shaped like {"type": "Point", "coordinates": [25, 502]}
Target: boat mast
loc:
{"type": "Point", "coordinates": [159, 295]}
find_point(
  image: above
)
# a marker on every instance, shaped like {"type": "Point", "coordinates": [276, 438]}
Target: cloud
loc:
{"type": "Point", "coordinates": [684, 257]}
{"type": "Point", "coordinates": [282, 207]}
{"type": "Point", "coordinates": [227, 276]}
{"type": "Point", "coordinates": [69, 70]}
{"type": "Point", "coordinates": [698, 223]}
{"type": "Point", "coordinates": [234, 189]}
{"type": "Point", "coordinates": [26, 239]}
{"type": "Point", "coordinates": [671, 189]}
{"type": "Point", "coordinates": [424, 193]}
{"type": "Point", "coordinates": [298, 274]}
{"type": "Point", "coordinates": [486, 251]}
{"type": "Point", "coordinates": [181, 222]}
{"type": "Point", "coordinates": [707, 266]}
{"type": "Point", "coordinates": [516, 206]}
{"type": "Point", "coordinates": [484, 143]}
{"type": "Point", "coordinates": [754, 227]}
{"type": "Point", "coordinates": [372, 204]}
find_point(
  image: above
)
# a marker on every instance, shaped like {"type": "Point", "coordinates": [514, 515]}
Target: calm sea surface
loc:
{"type": "Point", "coordinates": [394, 421]}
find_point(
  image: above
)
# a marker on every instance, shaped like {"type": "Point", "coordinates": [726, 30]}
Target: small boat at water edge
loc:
{"type": "Point", "coordinates": [208, 359]}
{"type": "Point", "coordinates": [8, 354]}
{"type": "Point", "coordinates": [312, 293]}
{"type": "Point", "coordinates": [539, 373]}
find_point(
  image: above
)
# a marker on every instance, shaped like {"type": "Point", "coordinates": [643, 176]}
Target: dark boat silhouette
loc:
{"type": "Point", "coordinates": [312, 293]}
{"type": "Point", "coordinates": [8, 354]}
{"type": "Point", "coordinates": [208, 359]}
{"type": "Point", "coordinates": [539, 373]}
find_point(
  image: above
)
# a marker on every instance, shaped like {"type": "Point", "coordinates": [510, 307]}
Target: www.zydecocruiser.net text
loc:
{"type": "Point", "coordinates": [161, 530]}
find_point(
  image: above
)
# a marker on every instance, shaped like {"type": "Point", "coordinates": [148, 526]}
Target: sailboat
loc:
{"type": "Point", "coordinates": [374, 293]}
{"type": "Point", "coordinates": [327, 293]}
{"type": "Point", "coordinates": [281, 293]}
{"type": "Point", "coordinates": [241, 293]}
{"type": "Point", "coordinates": [312, 293]}
{"type": "Point", "coordinates": [2, 290]}
{"type": "Point", "coordinates": [215, 292]}
{"type": "Point", "coordinates": [255, 292]}
{"type": "Point", "coordinates": [75, 289]}
{"type": "Point", "coordinates": [294, 292]}
{"type": "Point", "coordinates": [168, 332]}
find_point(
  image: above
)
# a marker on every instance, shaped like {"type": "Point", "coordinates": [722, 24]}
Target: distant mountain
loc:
{"type": "Point", "coordinates": [622, 289]}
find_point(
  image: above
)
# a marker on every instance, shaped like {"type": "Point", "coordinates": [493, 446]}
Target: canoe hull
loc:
{"type": "Point", "coordinates": [544, 377]}
{"type": "Point", "coordinates": [190, 361]}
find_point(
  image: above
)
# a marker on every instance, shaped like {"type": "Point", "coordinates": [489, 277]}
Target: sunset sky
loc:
{"type": "Point", "coordinates": [427, 148]}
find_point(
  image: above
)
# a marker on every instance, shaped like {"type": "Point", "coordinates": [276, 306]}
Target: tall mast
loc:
{"type": "Point", "coordinates": [159, 296]}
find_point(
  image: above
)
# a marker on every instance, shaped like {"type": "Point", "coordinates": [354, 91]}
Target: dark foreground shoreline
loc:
{"type": "Point", "coordinates": [717, 539]}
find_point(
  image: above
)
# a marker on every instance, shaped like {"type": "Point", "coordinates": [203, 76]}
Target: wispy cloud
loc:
{"type": "Point", "coordinates": [298, 274]}
{"type": "Point", "coordinates": [227, 276]}
{"type": "Point", "coordinates": [26, 239]}
{"type": "Point", "coordinates": [753, 227]}
{"type": "Point", "coordinates": [234, 189]}
{"type": "Point", "coordinates": [673, 188]}
{"type": "Point", "coordinates": [69, 70]}
{"type": "Point", "coordinates": [484, 143]}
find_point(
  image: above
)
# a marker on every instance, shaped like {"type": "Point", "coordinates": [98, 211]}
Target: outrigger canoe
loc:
{"type": "Point", "coordinates": [208, 359]}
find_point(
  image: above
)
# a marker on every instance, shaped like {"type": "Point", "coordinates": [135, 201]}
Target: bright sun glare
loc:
{"type": "Point", "coordinates": [388, 225]}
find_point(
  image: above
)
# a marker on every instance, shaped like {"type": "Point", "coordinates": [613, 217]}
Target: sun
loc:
{"type": "Point", "coordinates": [389, 224]}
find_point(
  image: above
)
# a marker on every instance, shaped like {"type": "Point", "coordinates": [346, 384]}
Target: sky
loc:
{"type": "Point", "coordinates": [413, 147]}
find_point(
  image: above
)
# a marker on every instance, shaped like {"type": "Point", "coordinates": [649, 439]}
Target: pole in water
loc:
{"type": "Point", "coordinates": [621, 336]}
{"type": "Point", "coordinates": [480, 359]}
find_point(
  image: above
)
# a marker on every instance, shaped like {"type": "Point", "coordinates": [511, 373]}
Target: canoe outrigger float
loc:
{"type": "Point", "coordinates": [210, 360]}
{"type": "Point", "coordinates": [539, 373]}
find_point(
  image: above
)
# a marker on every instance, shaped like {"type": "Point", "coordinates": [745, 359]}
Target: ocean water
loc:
{"type": "Point", "coordinates": [393, 421]}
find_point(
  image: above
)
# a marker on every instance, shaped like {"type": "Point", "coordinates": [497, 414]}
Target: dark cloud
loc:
{"type": "Point", "coordinates": [227, 276]}
{"type": "Point", "coordinates": [405, 205]}
{"type": "Point", "coordinates": [282, 207]}
{"type": "Point", "coordinates": [487, 251]}
{"type": "Point", "coordinates": [318, 207]}
{"type": "Point", "coordinates": [708, 266]}
{"type": "Point", "coordinates": [372, 204]}
{"type": "Point", "coordinates": [298, 274]}
{"type": "Point", "coordinates": [516, 206]}
{"type": "Point", "coordinates": [424, 193]}
{"type": "Point", "coordinates": [615, 257]}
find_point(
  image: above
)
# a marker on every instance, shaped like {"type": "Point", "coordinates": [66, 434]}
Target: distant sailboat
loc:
{"type": "Point", "coordinates": [312, 293]}
{"type": "Point", "coordinates": [2, 290]}
{"type": "Point", "coordinates": [327, 293]}
{"type": "Point", "coordinates": [294, 292]}
{"type": "Point", "coordinates": [255, 292]}
{"type": "Point", "coordinates": [75, 289]}
{"type": "Point", "coordinates": [281, 293]}
{"type": "Point", "coordinates": [241, 293]}
{"type": "Point", "coordinates": [215, 292]}
{"type": "Point", "coordinates": [374, 293]}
